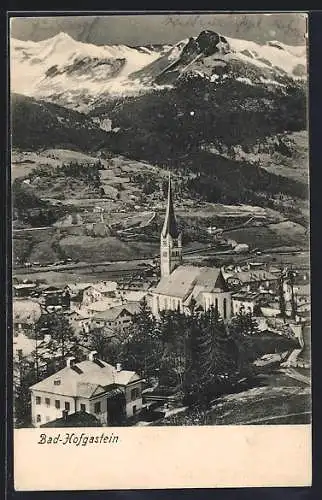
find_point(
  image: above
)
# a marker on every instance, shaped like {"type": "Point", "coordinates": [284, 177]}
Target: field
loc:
{"type": "Point", "coordinates": [271, 236]}
{"type": "Point", "coordinates": [123, 207]}
{"type": "Point", "coordinates": [90, 249]}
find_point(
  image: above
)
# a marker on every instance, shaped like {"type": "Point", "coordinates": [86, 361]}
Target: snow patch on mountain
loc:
{"type": "Point", "coordinates": [77, 75]}
{"type": "Point", "coordinates": [61, 65]}
{"type": "Point", "coordinates": [272, 54]}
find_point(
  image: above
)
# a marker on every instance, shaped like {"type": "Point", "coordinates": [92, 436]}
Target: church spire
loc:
{"type": "Point", "coordinates": [170, 224]}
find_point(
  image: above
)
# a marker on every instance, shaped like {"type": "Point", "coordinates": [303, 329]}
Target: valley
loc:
{"type": "Point", "coordinates": [90, 169]}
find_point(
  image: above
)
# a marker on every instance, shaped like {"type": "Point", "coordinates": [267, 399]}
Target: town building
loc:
{"type": "Point", "coordinates": [24, 289]}
{"type": "Point", "coordinates": [52, 295]}
{"type": "Point", "coordinates": [246, 301]}
{"type": "Point", "coordinates": [253, 280]}
{"type": "Point", "coordinates": [181, 286]}
{"type": "Point", "coordinates": [76, 293]}
{"type": "Point", "coordinates": [116, 318]}
{"type": "Point", "coordinates": [78, 320]}
{"type": "Point", "coordinates": [93, 386]}
{"type": "Point", "coordinates": [98, 292]}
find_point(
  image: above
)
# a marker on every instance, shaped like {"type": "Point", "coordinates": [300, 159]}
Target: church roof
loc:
{"type": "Point", "coordinates": [191, 280]}
{"type": "Point", "coordinates": [170, 224]}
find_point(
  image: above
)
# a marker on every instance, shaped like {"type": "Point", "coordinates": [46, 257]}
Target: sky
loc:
{"type": "Point", "coordinates": [141, 29]}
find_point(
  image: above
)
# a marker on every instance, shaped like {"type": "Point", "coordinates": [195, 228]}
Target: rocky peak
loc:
{"type": "Point", "coordinates": [207, 43]}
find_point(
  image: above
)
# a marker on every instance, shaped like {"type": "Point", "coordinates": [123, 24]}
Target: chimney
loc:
{"type": "Point", "coordinates": [70, 361]}
{"type": "Point", "coordinates": [92, 356]}
{"type": "Point", "coordinates": [65, 414]}
{"type": "Point", "coordinates": [118, 367]}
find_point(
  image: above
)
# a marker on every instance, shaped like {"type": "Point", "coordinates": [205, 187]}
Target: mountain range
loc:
{"type": "Point", "coordinates": [80, 75]}
{"type": "Point", "coordinates": [231, 111]}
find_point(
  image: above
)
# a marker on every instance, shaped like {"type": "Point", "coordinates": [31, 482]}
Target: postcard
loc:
{"type": "Point", "coordinates": [160, 231]}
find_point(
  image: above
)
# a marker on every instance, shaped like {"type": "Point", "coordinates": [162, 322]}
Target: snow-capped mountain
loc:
{"type": "Point", "coordinates": [71, 73]}
{"type": "Point", "coordinates": [211, 54]}
{"type": "Point", "coordinates": [79, 75]}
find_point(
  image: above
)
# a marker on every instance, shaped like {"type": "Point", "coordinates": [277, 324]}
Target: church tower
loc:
{"type": "Point", "coordinates": [171, 239]}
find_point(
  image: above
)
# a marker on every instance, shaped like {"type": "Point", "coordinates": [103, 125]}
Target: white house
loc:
{"type": "Point", "coordinates": [118, 317]}
{"type": "Point", "coordinates": [98, 292]}
{"type": "Point", "coordinates": [92, 386]}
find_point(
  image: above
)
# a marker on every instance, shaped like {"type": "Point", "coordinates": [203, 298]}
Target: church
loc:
{"type": "Point", "coordinates": [181, 285]}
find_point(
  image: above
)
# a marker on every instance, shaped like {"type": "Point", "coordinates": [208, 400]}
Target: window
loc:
{"type": "Point", "coordinates": [165, 254]}
{"type": "Point", "coordinates": [57, 381]}
{"type": "Point", "coordinates": [134, 410]}
{"type": "Point", "coordinates": [97, 407]}
{"type": "Point", "coordinates": [83, 407]}
{"type": "Point", "coordinates": [57, 404]}
{"type": "Point", "coordinates": [67, 405]}
{"type": "Point", "coordinates": [135, 394]}
{"type": "Point", "coordinates": [38, 400]}
{"type": "Point", "coordinates": [47, 401]}
{"type": "Point", "coordinates": [38, 418]}
{"type": "Point", "coordinates": [225, 308]}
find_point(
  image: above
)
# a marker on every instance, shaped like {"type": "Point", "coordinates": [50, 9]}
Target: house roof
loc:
{"type": "Point", "coordinates": [114, 312]}
{"type": "Point", "coordinates": [85, 379]}
{"type": "Point", "coordinates": [109, 286]}
{"type": "Point", "coordinates": [22, 286]}
{"type": "Point", "coordinates": [187, 280]}
{"type": "Point", "coordinates": [254, 276]}
{"type": "Point", "coordinates": [78, 287]}
{"type": "Point", "coordinates": [77, 419]}
{"type": "Point", "coordinates": [77, 314]}
{"type": "Point", "coordinates": [104, 305]}
{"type": "Point", "coordinates": [134, 295]}
{"type": "Point", "coordinates": [244, 295]}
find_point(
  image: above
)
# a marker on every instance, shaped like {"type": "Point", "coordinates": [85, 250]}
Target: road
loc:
{"type": "Point", "coordinates": [84, 265]}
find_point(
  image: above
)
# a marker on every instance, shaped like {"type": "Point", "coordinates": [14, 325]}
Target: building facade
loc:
{"type": "Point", "coordinates": [92, 386]}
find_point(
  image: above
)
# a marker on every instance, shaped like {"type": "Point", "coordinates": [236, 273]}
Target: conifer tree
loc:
{"type": "Point", "coordinates": [141, 350]}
